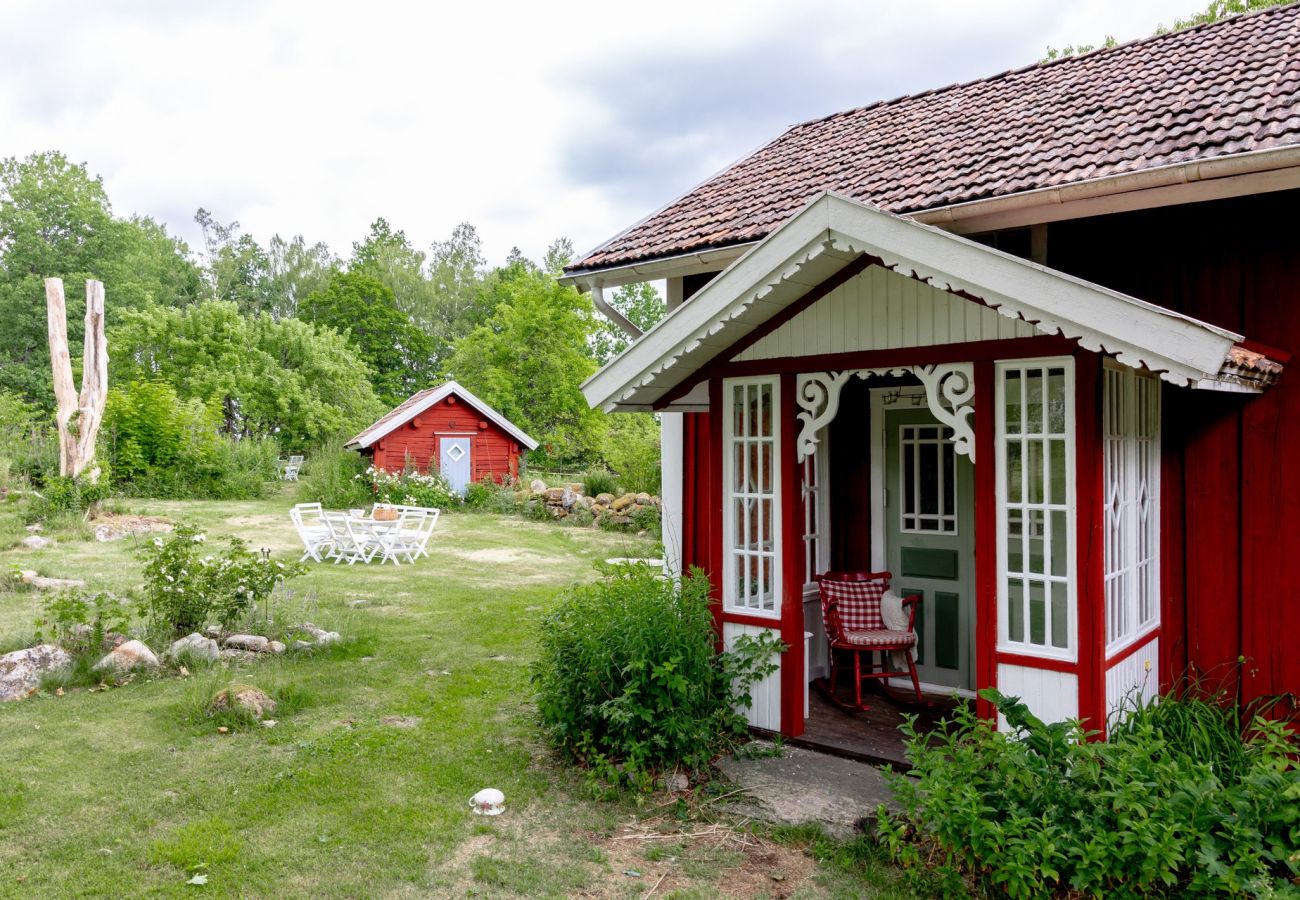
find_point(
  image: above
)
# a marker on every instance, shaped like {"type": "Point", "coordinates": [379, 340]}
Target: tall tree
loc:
{"type": "Point", "coordinates": [288, 379]}
{"type": "Point", "coordinates": [237, 268]}
{"type": "Point", "coordinates": [56, 221]}
{"type": "Point", "coordinates": [362, 307]}
{"type": "Point", "coordinates": [294, 270]}
{"type": "Point", "coordinates": [529, 360]}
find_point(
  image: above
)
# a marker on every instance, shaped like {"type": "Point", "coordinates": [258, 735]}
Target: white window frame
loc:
{"type": "Point", "coordinates": [1130, 437]}
{"type": "Point", "coordinates": [816, 511]}
{"type": "Point", "coordinates": [947, 454]}
{"type": "Point", "coordinates": [730, 602]}
{"type": "Point", "coordinates": [1070, 652]}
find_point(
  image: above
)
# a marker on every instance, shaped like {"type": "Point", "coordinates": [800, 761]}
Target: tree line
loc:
{"type": "Point", "coordinates": [290, 341]}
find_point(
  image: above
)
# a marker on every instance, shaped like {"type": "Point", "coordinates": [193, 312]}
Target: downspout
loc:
{"type": "Point", "coordinates": [609, 312]}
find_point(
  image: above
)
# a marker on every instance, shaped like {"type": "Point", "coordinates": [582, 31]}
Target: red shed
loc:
{"type": "Point", "coordinates": [470, 440]}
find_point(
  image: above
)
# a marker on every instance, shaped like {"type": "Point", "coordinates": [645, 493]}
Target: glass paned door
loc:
{"type": "Point", "coordinates": [929, 502]}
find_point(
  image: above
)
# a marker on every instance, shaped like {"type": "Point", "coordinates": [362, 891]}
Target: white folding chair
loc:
{"type": "Point", "coordinates": [400, 539]}
{"type": "Point", "coordinates": [313, 531]}
{"type": "Point", "coordinates": [364, 544]}
{"type": "Point", "coordinates": [291, 468]}
{"type": "Point", "coordinates": [425, 531]}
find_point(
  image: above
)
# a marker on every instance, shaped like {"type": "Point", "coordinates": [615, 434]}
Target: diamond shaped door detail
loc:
{"type": "Point", "coordinates": [454, 456]}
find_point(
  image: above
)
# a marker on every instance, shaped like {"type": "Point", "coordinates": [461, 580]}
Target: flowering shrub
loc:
{"type": "Point", "coordinates": [184, 586]}
{"type": "Point", "coordinates": [409, 488]}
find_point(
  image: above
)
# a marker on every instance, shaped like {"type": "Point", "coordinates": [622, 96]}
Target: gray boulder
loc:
{"type": "Point", "coordinates": [36, 542]}
{"type": "Point", "coordinates": [319, 636]}
{"type": "Point", "coordinates": [254, 643]}
{"type": "Point", "coordinates": [40, 582]}
{"type": "Point", "coordinates": [21, 670]}
{"type": "Point", "coordinates": [195, 647]}
{"type": "Point", "coordinates": [127, 657]}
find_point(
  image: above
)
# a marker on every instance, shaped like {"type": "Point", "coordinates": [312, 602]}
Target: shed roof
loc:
{"type": "Point", "coordinates": [417, 403]}
{"type": "Point", "coordinates": [1201, 94]}
{"type": "Point", "coordinates": [831, 232]}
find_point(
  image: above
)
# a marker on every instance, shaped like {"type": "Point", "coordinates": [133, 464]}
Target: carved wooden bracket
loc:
{"type": "Point", "coordinates": [949, 392]}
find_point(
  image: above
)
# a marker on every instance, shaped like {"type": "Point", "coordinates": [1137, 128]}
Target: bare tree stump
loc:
{"type": "Point", "coordinates": [78, 418]}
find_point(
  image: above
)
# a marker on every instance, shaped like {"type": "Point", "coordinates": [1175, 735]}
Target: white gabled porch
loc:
{"type": "Point", "coordinates": [1000, 420]}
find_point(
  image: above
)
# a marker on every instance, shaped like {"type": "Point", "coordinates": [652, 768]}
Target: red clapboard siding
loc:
{"type": "Point", "coordinates": [493, 452]}
{"type": "Point", "coordinates": [1230, 489]}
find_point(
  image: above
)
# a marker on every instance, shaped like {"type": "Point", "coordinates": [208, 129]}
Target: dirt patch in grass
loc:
{"type": "Point", "coordinates": [506, 555]}
{"type": "Point", "coordinates": [722, 857]}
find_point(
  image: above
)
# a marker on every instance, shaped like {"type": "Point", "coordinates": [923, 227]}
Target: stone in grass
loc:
{"type": "Point", "coordinates": [40, 582]}
{"type": "Point", "coordinates": [254, 643]}
{"type": "Point", "coordinates": [319, 636]}
{"type": "Point", "coordinates": [36, 542]}
{"type": "Point", "coordinates": [127, 657]}
{"type": "Point", "coordinates": [302, 645]}
{"type": "Point", "coordinates": [231, 653]}
{"type": "Point", "coordinates": [275, 647]}
{"type": "Point", "coordinates": [194, 647]}
{"type": "Point", "coordinates": [243, 697]}
{"type": "Point", "coordinates": [21, 670]}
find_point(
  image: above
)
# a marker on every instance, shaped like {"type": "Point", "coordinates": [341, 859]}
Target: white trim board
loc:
{"type": "Point", "coordinates": [832, 231]}
{"type": "Point", "coordinates": [381, 428]}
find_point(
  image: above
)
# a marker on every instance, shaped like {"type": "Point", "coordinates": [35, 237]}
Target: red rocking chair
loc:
{"type": "Point", "coordinates": [851, 613]}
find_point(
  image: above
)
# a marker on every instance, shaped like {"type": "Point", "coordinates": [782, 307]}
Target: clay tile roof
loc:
{"type": "Point", "coordinates": [1209, 91]}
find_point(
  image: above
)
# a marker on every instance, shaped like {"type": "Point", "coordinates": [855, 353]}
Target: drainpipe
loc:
{"type": "Point", "coordinates": [609, 312]}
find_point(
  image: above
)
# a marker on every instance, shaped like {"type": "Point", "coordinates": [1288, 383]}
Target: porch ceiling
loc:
{"type": "Point", "coordinates": [832, 231]}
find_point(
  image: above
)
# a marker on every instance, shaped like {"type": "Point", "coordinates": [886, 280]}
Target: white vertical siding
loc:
{"type": "Point", "coordinates": [1136, 676]}
{"type": "Point", "coordinates": [671, 449]}
{"type": "Point", "coordinates": [1052, 696]}
{"type": "Point", "coordinates": [765, 709]}
{"type": "Point", "coordinates": [880, 310]}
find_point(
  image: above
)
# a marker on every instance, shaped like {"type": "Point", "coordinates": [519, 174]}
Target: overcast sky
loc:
{"type": "Point", "coordinates": [530, 121]}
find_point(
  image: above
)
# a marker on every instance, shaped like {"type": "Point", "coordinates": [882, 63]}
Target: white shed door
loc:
{"type": "Point", "coordinates": [453, 452]}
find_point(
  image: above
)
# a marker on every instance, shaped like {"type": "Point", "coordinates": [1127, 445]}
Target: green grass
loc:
{"type": "Point", "coordinates": [131, 788]}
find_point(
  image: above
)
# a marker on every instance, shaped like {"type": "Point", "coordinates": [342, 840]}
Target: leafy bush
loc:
{"type": "Point", "coordinates": [629, 680]}
{"type": "Point", "coordinates": [60, 495]}
{"type": "Point", "coordinates": [183, 587]}
{"type": "Point", "coordinates": [632, 451]}
{"type": "Point", "coordinates": [79, 620]}
{"type": "Point", "coordinates": [483, 494]}
{"type": "Point", "coordinates": [1044, 811]}
{"type": "Point", "coordinates": [28, 446]}
{"type": "Point", "coordinates": [599, 481]}
{"type": "Point", "coordinates": [161, 446]}
{"type": "Point", "coordinates": [410, 488]}
{"type": "Point", "coordinates": [335, 477]}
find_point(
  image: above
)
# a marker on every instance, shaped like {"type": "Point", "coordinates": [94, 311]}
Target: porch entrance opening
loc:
{"type": "Point", "coordinates": [926, 503]}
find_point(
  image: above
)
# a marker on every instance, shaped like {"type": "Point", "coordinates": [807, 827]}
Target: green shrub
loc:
{"type": "Point", "coordinates": [629, 680]}
{"type": "Point", "coordinates": [184, 586]}
{"type": "Point", "coordinates": [79, 620]}
{"type": "Point", "coordinates": [599, 481]}
{"type": "Point", "coordinates": [632, 451]}
{"type": "Point", "coordinates": [483, 494]}
{"type": "Point", "coordinates": [1046, 812]}
{"type": "Point", "coordinates": [60, 495]}
{"type": "Point", "coordinates": [335, 478]}
{"type": "Point", "coordinates": [27, 440]}
{"type": "Point", "coordinates": [161, 446]}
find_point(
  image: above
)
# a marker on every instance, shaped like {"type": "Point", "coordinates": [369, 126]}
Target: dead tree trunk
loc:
{"type": "Point", "coordinates": [78, 418]}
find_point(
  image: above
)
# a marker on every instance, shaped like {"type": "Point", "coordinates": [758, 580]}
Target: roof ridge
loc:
{"type": "Point", "coordinates": [1043, 64]}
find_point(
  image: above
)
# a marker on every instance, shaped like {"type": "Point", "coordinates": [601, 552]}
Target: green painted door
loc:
{"type": "Point", "coordinates": [929, 497]}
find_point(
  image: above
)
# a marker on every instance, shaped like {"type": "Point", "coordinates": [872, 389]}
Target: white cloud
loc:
{"type": "Point", "coordinates": [530, 120]}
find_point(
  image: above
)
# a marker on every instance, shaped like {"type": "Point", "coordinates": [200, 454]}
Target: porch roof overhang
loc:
{"type": "Point", "coordinates": [832, 231]}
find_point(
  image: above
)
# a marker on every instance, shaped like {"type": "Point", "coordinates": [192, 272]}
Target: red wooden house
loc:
{"type": "Point", "coordinates": [446, 429]}
{"type": "Point", "coordinates": [1018, 341]}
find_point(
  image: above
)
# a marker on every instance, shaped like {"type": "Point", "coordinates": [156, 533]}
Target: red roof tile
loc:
{"type": "Point", "coordinates": [1209, 91]}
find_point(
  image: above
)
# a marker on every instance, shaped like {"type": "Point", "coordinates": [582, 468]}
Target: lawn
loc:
{"type": "Point", "coordinates": [363, 791]}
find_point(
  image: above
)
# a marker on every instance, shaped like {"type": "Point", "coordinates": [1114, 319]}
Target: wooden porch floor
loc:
{"type": "Point", "coordinates": [870, 736]}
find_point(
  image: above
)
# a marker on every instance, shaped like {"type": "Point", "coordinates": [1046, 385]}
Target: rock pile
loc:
{"type": "Point", "coordinates": [569, 500]}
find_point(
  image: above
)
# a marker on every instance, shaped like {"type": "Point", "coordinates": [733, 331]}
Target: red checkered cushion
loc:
{"type": "Point", "coordinates": [880, 638]}
{"type": "Point", "coordinates": [857, 603]}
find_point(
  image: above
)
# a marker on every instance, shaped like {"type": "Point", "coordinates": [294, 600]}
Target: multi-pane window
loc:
{"type": "Point", "coordinates": [1131, 433]}
{"type": "Point", "coordinates": [752, 475]}
{"type": "Point", "coordinates": [1035, 474]}
{"type": "Point", "coordinates": [812, 486]}
{"type": "Point", "coordinates": [927, 480]}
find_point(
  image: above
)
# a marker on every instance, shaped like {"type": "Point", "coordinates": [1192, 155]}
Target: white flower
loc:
{"type": "Point", "coordinates": [200, 538]}
{"type": "Point", "coordinates": [157, 542]}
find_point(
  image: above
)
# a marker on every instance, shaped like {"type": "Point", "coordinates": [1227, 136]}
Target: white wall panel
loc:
{"type": "Point", "coordinates": [1135, 676]}
{"type": "Point", "coordinates": [1052, 696]}
{"type": "Point", "coordinates": [765, 710]}
{"type": "Point", "coordinates": [880, 310]}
